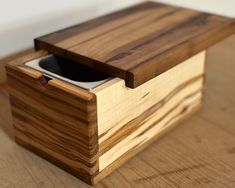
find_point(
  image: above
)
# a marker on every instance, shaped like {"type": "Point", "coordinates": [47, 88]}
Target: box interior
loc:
{"type": "Point", "coordinates": [57, 67]}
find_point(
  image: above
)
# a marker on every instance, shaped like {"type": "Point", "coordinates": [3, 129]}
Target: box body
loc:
{"type": "Point", "coordinates": [89, 133]}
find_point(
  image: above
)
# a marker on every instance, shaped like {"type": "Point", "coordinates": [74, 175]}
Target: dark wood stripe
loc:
{"type": "Point", "coordinates": [171, 110]}
{"type": "Point", "coordinates": [144, 41]}
{"type": "Point", "coordinates": [36, 141]}
{"type": "Point", "coordinates": [69, 129]}
{"type": "Point", "coordinates": [189, 24]}
{"type": "Point", "coordinates": [52, 104]}
{"type": "Point", "coordinates": [83, 135]}
{"type": "Point", "coordinates": [79, 173]}
{"type": "Point", "coordinates": [168, 96]}
{"type": "Point", "coordinates": [135, 124]}
{"type": "Point", "coordinates": [56, 141]}
{"type": "Point", "coordinates": [135, 150]}
{"type": "Point", "coordinates": [92, 24]}
{"type": "Point", "coordinates": [80, 129]}
{"type": "Point", "coordinates": [158, 17]}
{"type": "Point", "coordinates": [131, 126]}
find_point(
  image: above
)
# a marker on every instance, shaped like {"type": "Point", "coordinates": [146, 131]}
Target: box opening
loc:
{"type": "Point", "coordinates": [71, 70]}
{"type": "Point", "coordinates": [57, 67]}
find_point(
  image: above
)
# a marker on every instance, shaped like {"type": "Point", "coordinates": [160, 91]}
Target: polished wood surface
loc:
{"type": "Point", "coordinates": [140, 42]}
{"type": "Point", "coordinates": [54, 119]}
{"type": "Point", "coordinates": [199, 153]}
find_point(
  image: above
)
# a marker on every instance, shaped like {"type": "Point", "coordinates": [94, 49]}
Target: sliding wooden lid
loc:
{"type": "Point", "coordinates": [140, 42]}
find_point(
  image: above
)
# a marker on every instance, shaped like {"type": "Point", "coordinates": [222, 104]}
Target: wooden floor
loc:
{"type": "Point", "coordinates": [199, 153]}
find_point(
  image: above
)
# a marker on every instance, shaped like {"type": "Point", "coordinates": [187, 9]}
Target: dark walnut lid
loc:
{"type": "Point", "coordinates": [140, 42]}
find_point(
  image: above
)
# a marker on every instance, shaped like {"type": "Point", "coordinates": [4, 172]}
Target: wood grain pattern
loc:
{"type": "Point", "coordinates": [145, 130]}
{"type": "Point", "coordinates": [125, 125]}
{"type": "Point", "coordinates": [141, 42]}
{"type": "Point", "coordinates": [136, 150]}
{"type": "Point", "coordinates": [54, 119]}
{"type": "Point", "coordinates": [119, 110]}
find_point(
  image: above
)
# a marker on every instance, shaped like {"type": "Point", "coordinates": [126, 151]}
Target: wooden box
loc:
{"type": "Point", "coordinates": [91, 96]}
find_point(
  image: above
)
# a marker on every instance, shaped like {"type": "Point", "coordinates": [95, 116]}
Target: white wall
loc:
{"type": "Point", "coordinates": [23, 20]}
{"type": "Point", "coordinates": [221, 7]}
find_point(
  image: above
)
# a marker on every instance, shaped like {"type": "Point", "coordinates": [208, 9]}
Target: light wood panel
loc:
{"type": "Point", "coordinates": [132, 117]}
{"type": "Point", "coordinates": [140, 42]}
{"type": "Point", "coordinates": [125, 104]}
{"type": "Point", "coordinates": [148, 130]}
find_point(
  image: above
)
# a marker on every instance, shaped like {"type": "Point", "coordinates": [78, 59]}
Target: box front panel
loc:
{"type": "Point", "coordinates": [55, 120]}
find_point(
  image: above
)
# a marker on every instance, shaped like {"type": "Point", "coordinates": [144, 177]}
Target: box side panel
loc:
{"type": "Point", "coordinates": [131, 153]}
{"type": "Point", "coordinates": [133, 117]}
{"type": "Point", "coordinates": [54, 119]}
